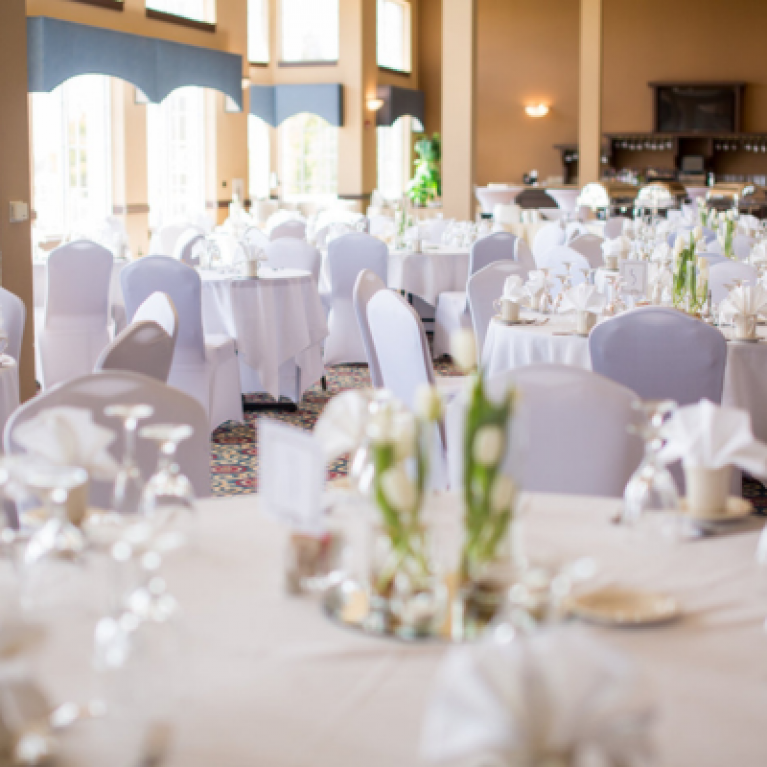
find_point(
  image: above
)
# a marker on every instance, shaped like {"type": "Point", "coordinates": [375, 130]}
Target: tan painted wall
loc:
{"type": "Point", "coordinates": [429, 38]}
{"type": "Point", "coordinates": [15, 239]}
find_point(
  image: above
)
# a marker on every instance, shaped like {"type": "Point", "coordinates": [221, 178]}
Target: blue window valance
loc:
{"type": "Point", "coordinates": [399, 102]}
{"type": "Point", "coordinates": [275, 103]}
{"type": "Point", "coordinates": [58, 50]}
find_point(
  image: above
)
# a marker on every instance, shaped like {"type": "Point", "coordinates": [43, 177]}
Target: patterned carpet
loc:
{"type": "Point", "coordinates": [234, 460]}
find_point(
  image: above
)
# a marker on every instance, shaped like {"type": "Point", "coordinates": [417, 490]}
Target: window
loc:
{"type": "Point", "coordinates": [258, 158]}
{"type": "Point", "coordinates": [309, 30]}
{"type": "Point", "coordinates": [199, 10]}
{"type": "Point", "coordinates": [258, 31]}
{"type": "Point", "coordinates": [394, 168]}
{"type": "Point", "coordinates": [176, 153]}
{"type": "Point", "coordinates": [72, 155]}
{"type": "Point", "coordinates": [308, 157]}
{"type": "Point", "coordinates": [393, 34]}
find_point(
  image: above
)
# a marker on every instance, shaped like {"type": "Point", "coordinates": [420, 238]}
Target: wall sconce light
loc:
{"type": "Point", "coordinates": [245, 83]}
{"type": "Point", "coordinates": [375, 104]}
{"type": "Point", "coordinates": [537, 110]}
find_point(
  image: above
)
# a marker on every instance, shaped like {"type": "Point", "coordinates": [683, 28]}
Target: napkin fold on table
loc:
{"type": "Point", "coordinates": [558, 697]}
{"type": "Point", "coordinates": [618, 246]}
{"type": "Point", "coordinates": [712, 437]}
{"type": "Point", "coordinates": [341, 427]}
{"type": "Point", "coordinates": [582, 298]}
{"type": "Point", "coordinates": [744, 301]}
{"type": "Point", "coordinates": [514, 289]}
{"type": "Point", "coordinates": [537, 282]}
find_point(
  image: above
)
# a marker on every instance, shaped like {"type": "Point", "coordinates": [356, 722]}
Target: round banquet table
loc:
{"type": "Point", "coordinates": [265, 678]}
{"type": "Point", "coordinates": [278, 324]}
{"type": "Point", "coordinates": [9, 388]}
{"type": "Point", "coordinates": [509, 347]}
{"type": "Point", "coordinates": [438, 269]}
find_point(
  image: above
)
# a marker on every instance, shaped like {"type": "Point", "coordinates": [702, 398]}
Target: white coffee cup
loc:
{"type": "Point", "coordinates": [745, 326]}
{"type": "Point", "coordinates": [251, 268]}
{"type": "Point", "coordinates": [611, 262]}
{"type": "Point", "coordinates": [707, 491]}
{"type": "Point", "coordinates": [585, 322]}
{"type": "Point", "coordinates": [508, 309]}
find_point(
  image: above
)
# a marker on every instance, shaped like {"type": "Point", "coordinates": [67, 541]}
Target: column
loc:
{"type": "Point", "coordinates": [590, 100]}
{"type": "Point", "coordinates": [459, 41]}
{"type": "Point", "coordinates": [16, 239]}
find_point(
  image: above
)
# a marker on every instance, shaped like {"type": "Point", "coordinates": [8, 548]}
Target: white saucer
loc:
{"type": "Point", "coordinates": [615, 606]}
{"type": "Point", "coordinates": [736, 509]}
{"type": "Point", "coordinates": [754, 340]}
{"type": "Point", "coordinates": [500, 319]}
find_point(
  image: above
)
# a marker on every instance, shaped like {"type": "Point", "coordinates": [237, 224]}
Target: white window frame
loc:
{"type": "Point", "coordinates": [258, 31]}
{"type": "Point", "coordinates": [402, 131]}
{"type": "Point", "coordinates": [259, 158]}
{"type": "Point", "coordinates": [405, 63]}
{"type": "Point", "coordinates": [320, 16]}
{"type": "Point", "coordinates": [328, 156]}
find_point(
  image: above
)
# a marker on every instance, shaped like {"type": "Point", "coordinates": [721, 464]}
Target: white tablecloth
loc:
{"type": "Point", "coordinates": [9, 388]}
{"type": "Point", "coordinates": [266, 679]}
{"type": "Point", "coordinates": [507, 348]}
{"type": "Point", "coordinates": [278, 324]}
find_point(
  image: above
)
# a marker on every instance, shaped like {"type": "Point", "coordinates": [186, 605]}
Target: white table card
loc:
{"type": "Point", "coordinates": [291, 476]}
{"type": "Point", "coordinates": [635, 275]}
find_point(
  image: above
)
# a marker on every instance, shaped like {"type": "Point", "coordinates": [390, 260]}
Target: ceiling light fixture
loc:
{"type": "Point", "coordinates": [537, 110]}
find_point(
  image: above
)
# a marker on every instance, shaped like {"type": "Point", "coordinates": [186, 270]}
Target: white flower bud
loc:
{"type": "Point", "coordinates": [403, 436]}
{"type": "Point", "coordinates": [501, 494]}
{"type": "Point", "coordinates": [398, 490]}
{"type": "Point", "coordinates": [697, 233]}
{"type": "Point", "coordinates": [679, 244]}
{"type": "Point", "coordinates": [731, 215]}
{"type": "Point", "coordinates": [463, 349]}
{"type": "Point", "coordinates": [703, 265]}
{"type": "Point", "coordinates": [488, 446]}
{"type": "Point", "coordinates": [428, 403]}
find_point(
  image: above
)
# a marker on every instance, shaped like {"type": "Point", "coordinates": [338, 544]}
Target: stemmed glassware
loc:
{"type": "Point", "coordinates": [129, 484]}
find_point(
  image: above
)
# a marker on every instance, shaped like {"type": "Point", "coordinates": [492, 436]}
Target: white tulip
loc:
{"type": "Point", "coordinates": [463, 349]}
{"type": "Point", "coordinates": [488, 446]}
{"type": "Point", "coordinates": [398, 490]}
{"type": "Point", "coordinates": [501, 494]}
{"type": "Point", "coordinates": [697, 233]}
{"type": "Point", "coordinates": [703, 265]}
{"type": "Point", "coordinates": [679, 243]}
{"type": "Point", "coordinates": [403, 436]}
{"type": "Point", "coordinates": [731, 215]}
{"type": "Point", "coordinates": [428, 403]}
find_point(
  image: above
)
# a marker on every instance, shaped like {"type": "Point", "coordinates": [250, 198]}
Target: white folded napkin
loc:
{"type": "Point", "coordinates": [558, 697]}
{"type": "Point", "coordinates": [341, 427]}
{"type": "Point", "coordinates": [745, 300]}
{"type": "Point", "coordinates": [536, 283]}
{"type": "Point", "coordinates": [709, 436]}
{"type": "Point", "coordinates": [759, 252]}
{"type": "Point", "coordinates": [618, 246]}
{"type": "Point", "coordinates": [68, 436]}
{"type": "Point", "coordinates": [582, 298]}
{"type": "Point", "coordinates": [513, 289]}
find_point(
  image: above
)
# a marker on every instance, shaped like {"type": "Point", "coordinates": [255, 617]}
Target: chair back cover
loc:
{"type": "Point", "coordinates": [523, 254]}
{"type": "Point", "coordinates": [367, 285]}
{"type": "Point", "coordinates": [96, 391]}
{"type": "Point", "coordinates": [742, 245]}
{"type": "Point", "coordinates": [715, 258]}
{"type": "Point", "coordinates": [569, 434]}
{"type": "Point", "coordinates": [590, 246]}
{"type": "Point", "coordinates": [188, 246]}
{"type": "Point", "coordinates": [483, 288]}
{"type": "Point", "coordinates": [556, 258]}
{"type": "Point", "coordinates": [160, 309]}
{"type": "Point", "coordinates": [143, 347]}
{"type": "Point", "coordinates": [547, 237]}
{"type": "Point", "coordinates": [661, 353]}
{"type": "Point", "coordinates": [292, 228]}
{"type": "Point", "coordinates": [494, 247]}
{"type": "Point", "coordinates": [347, 257]}
{"type": "Point", "coordinates": [292, 253]}
{"type": "Point", "coordinates": [723, 273]}
{"type": "Point", "coordinates": [168, 235]}
{"type": "Point", "coordinates": [614, 227]}
{"type": "Point", "coordinates": [14, 315]}
{"type": "Point", "coordinates": [183, 287]}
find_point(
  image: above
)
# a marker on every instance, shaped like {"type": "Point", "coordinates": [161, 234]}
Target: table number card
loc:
{"type": "Point", "coordinates": [635, 275]}
{"type": "Point", "coordinates": [292, 476]}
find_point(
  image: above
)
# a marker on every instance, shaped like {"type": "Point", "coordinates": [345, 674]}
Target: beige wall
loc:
{"type": "Point", "coordinates": [15, 239]}
{"type": "Point", "coordinates": [429, 38]}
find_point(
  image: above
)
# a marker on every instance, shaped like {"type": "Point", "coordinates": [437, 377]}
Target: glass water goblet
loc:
{"type": "Point", "coordinates": [129, 484]}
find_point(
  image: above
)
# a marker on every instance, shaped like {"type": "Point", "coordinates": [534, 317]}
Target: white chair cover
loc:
{"type": "Point", "coordinates": [254, 236]}
{"type": "Point", "coordinates": [289, 229]}
{"type": "Point", "coordinates": [569, 434]}
{"type": "Point", "coordinates": [292, 253]}
{"type": "Point", "coordinates": [204, 366]}
{"type": "Point", "coordinates": [160, 309]}
{"type": "Point", "coordinates": [742, 246]}
{"type": "Point", "coordinates": [661, 353]}
{"type": "Point", "coordinates": [546, 238]}
{"type": "Point", "coordinates": [14, 316]}
{"type": "Point", "coordinates": [96, 391]}
{"type": "Point", "coordinates": [76, 319]}
{"type": "Point", "coordinates": [168, 235]}
{"type": "Point", "coordinates": [556, 258]}
{"type": "Point", "coordinates": [714, 259]}
{"type": "Point", "coordinates": [143, 347]}
{"type": "Point", "coordinates": [723, 274]}
{"type": "Point", "coordinates": [483, 289]}
{"type": "Point", "coordinates": [614, 227]}
{"type": "Point", "coordinates": [574, 229]}
{"type": "Point", "coordinates": [347, 257]}
{"type": "Point", "coordinates": [523, 255]}
{"type": "Point", "coordinates": [367, 285]}
{"type": "Point", "coordinates": [188, 247]}
{"type": "Point", "coordinates": [590, 246]}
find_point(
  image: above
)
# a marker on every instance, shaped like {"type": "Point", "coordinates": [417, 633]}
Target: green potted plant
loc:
{"type": "Point", "coordinates": [426, 184]}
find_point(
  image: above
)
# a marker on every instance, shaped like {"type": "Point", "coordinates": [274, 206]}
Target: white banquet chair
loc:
{"type": "Point", "coordinates": [546, 238]}
{"type": "Point", "coordinates": [590, 246]}
{"type": "Point", "coordinates": [484, 287]}
{"type": "Point", "coordinates": [614, 227]}
{"type": "Point", "coordinates": [204, 366]}
{"type": "Point", "coordinates": [722, 274]}
{"type": "Point", "coordinates": [569, 433]}
{"type": "Point", "coordinates": [188, 247]}
{"type": "Point", "coordinates": [573, 230]}
{"type": "Point", "coordinates": [347, 257]}
{"type": "Point", "coordinates": [452, 312]}
{"type": "Point", "coordinates": [556, 258]}
{"type": "Point", "coordinates": [742, 246]}
{"type": "Point", "coordinates": [523, 255]}
{"type": "Point", "coordinates": [76, 319]}
{"type": "Point", "coordinates": [292, 253]}
{"type": "Point", "coordinates": [715, 258]}
{"type": "Point", "coordinates": [160, 309]}
{"type": "Point", "coordinates": [14, 316]}
{"type": "Point", "coordinates": [367, 285]}
{"type": "Point", "coordinates": [95, 392]}
{"type": "Point", "coordinates": [293, 228]}
{"type": "Point", "coordinates": [143, 347]}
{"type": "Point", "coordinates": [164, 243]}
